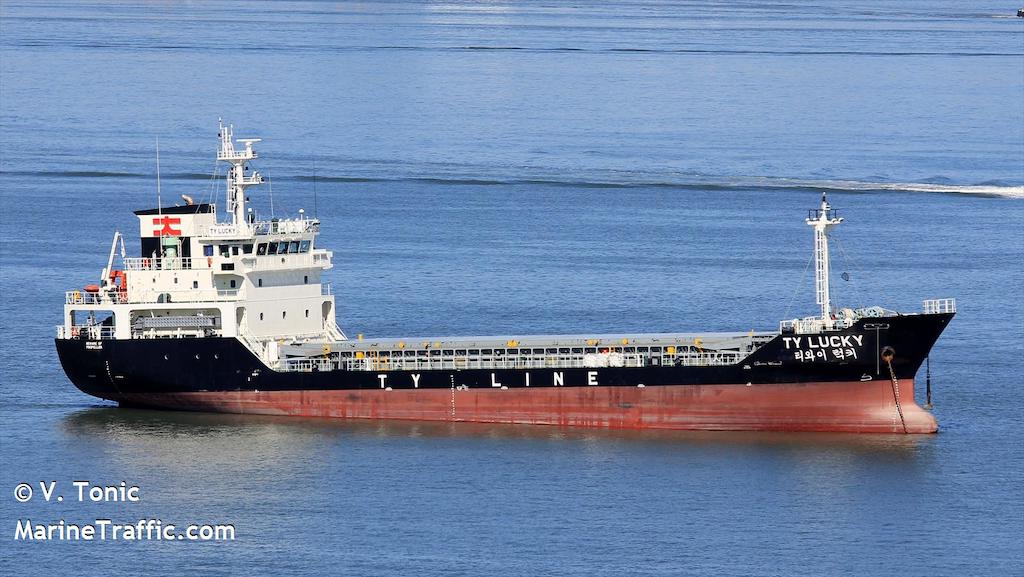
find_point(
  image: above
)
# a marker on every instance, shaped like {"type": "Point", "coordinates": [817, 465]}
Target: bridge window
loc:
{"type": "Point", "coordinates": [223, 250]}
{"type": "Point", "coordinates": [304, 246]}
{"type": "Point", "coordinates": [261, 249]}
{"type": "Point", "coordinates": [282, 247]}
{"type": "Point", "coordinates": [247, 248]}
{"type": "Point", "coordinates": [207, 250]}
{"type": "Point", "coordinates": [272, 248]}
{"type": "Point", "coordinates": [293, 246]}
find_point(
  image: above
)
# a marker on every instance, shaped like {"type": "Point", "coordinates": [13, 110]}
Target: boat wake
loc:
{"type": "Point", "coordinates": [712, 183]}
{"type": "Point", "coordinates": [610, 179]}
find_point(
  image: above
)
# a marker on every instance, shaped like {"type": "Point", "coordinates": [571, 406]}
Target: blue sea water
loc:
{"type": "Point", "coordinates": [531, 167]}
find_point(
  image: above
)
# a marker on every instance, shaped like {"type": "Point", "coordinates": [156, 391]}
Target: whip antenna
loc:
{"type": "Point", "coordinates": [159, 205]}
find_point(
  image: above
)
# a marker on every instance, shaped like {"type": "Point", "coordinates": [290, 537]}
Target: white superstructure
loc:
{"type": "Point", "coordinates": [257, 280]}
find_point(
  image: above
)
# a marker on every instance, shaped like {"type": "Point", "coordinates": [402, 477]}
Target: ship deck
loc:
{"type": "Point", "coordinates": [522, 352]}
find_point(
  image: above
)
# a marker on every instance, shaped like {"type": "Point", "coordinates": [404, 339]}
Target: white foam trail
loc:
{"type": "Point", "coordinates": [856, 185]}
{"type": "Point", "coordinates": [1004, 191]}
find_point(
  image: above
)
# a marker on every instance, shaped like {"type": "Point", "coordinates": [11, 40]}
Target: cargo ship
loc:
{"type": "Point", "coordinates": [223, 311]}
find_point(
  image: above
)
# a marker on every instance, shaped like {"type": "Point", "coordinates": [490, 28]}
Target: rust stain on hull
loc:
{"type": "Point", "coordinates": [860, 407]}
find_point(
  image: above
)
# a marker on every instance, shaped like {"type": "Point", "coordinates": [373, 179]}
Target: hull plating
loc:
{"type": "Point", "coordinates": [837, 406]}
{"type": "Point", "coordinates": [775, 388]}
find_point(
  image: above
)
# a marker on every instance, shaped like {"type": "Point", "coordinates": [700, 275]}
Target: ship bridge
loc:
{"type": "Point", "coordinates": [198, 276]}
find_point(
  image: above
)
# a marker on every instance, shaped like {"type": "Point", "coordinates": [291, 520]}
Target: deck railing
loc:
{"type": "Point", "coordinates": [938, 306]}
{"type": "Point", "coordinates": [261, 228]}
{"type": "Point", "coordinates": [170, 263]}
{"type": "Point", "coordinates": [77, 297]}
{"type": "Point", "coordinates": [178, 296]}
{"type": "Point", "coordinates": [92, 333]}
{"type": "Point", "coordinates": [308, 365]}
{"type": "Point", "coordinates": [554, 361]}
{"type": "Point", "coordinates": [187, 296]}
{"type": "Point", "coordinates": [802, 326]}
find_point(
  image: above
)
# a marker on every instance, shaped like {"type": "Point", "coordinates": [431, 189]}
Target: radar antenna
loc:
{"type": "Point", "coordinates": [237, 179]}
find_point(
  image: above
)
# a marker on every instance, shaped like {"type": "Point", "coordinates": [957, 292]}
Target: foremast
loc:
{"type": "Point", "coordinates": [822, 219]}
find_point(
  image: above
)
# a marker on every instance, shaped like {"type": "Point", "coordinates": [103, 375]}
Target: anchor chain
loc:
{"type": "Point", "coordinates": [928, 382]}
{"type": "Point", "coordinates": [896, 393]}
{"type": "Point", "coordinates": [453, 396]}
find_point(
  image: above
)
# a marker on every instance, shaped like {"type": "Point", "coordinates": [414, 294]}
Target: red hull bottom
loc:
{"type": "Point", "coordinates": [860, 407]}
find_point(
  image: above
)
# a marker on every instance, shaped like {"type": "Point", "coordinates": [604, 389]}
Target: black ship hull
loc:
{"type": "Point", "coordinates": [836, 381]}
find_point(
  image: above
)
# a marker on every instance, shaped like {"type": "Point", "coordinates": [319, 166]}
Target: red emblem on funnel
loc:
{"type": "Point", "coordinates": [166, 223]}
